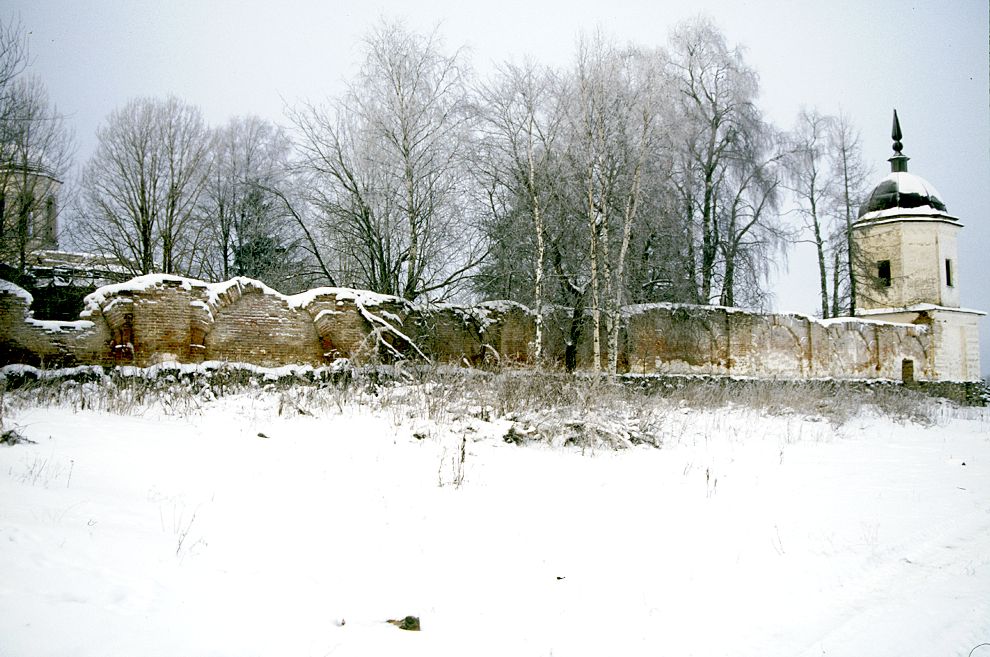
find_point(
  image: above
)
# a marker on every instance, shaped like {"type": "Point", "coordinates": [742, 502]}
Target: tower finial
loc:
{"type": "Point", "coordinates": [895, 134]}
{"type": "Point", "coordinates": [898, 163]}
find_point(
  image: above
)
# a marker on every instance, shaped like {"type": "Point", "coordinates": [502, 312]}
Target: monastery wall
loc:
{"type": "Point", "coordinates": [676, 339]}
{"type": "Point", "coordinates": [154, 319]}
{"type": "Point", "coordinates": [956, 338]}
{"type": "Point", "coordinates": [159, 318]}
{"type": "Point", "coordinates": [24, 339]}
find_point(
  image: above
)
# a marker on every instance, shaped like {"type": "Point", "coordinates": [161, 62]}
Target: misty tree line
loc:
{"type": "Point", "coordinates": [633, 175]}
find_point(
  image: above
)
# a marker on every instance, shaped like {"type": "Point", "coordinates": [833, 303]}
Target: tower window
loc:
{"type": "Point", "coordinates": [883, 272]}
{"type": "Point", "coordinates": [948, 272]}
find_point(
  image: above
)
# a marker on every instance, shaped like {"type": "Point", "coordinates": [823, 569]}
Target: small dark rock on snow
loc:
{"type": "Point", "coordinates": [514, 437]}
{"type": "Point", "coordinates": [410, 623]}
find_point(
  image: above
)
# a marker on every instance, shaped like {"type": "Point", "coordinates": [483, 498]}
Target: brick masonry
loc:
{"type": "Point", "coordinates": [159, 318]}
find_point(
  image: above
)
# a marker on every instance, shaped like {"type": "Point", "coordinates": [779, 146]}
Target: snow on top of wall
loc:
{"type": "Point", "coordinates": [6, 287]}
{"type": "Point", "coordinates": [364, 298]}
{"type": "Point", "coordinates": [143, 283]}
{"type": "Point", "coordinates": [55, 326]}
{"type": "Point", "coordinates": [836, 321]}
{"type": "Point", "coordinates": [640, 308]}
{"type": "Point", "coordinates": [920, 308]}
{"type": "Point", "coordinates": [327, 312]}
{"type": "Point", "coordinates": [504, 306]}
{"type": "Point", "coordinates": [104, 296]}
{"type": "Point", "coordinates": [202, 305]}
{"type": "Point", "coordinates": [481, 316]}
{"type": "Point", "coordinates": [96, 299]}
{"type": "Point", "coordinates": [118, 301]}
{"type": "Point", "coordinates": [214, 290]}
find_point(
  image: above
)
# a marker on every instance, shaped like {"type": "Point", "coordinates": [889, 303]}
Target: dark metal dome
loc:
{"type": "Point", "coordinates": [902, 190]}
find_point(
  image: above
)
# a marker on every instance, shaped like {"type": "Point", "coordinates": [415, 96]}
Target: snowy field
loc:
{"type": "Point", "coordinates": [296, 522]}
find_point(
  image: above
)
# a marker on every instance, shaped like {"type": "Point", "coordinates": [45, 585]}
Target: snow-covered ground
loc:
{"type": "Point", "coordinates": [241, 526]}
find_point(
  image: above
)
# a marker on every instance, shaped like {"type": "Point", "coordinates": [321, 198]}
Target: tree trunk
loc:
{"type": "Point", "coordinates": [632, 205]}
{"type": "Point", "coordinates": [540, 250]}
{"type": "Point", "coordinates": [836, 270]}
{"type": "Point", "coordinates": [820, 246]}
{"type": "Point", "coordinates": [728, 297]}
{"type": "Point", "coordinates": [850, 246]}
{"type": "Point", "coordinates": [410, 291]}
{"type": "Point", "coordinates": [596, 318]}
{"type": "Point", "coordinates": [708, 242]}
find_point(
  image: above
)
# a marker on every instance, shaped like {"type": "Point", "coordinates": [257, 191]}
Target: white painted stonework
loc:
{"type": "Point", "coordinates": [917, 249]}
{"type": "Point", "coordinates": [954, 350]}
{"type": "Point", "coordinates": [920, 245]}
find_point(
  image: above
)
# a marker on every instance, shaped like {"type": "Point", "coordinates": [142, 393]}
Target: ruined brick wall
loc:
{"type": "Point", "coordinates": [450, 334]}
{"type": "Point", "coordinates": [508, 332]}
{"type": "Point", "coordinates": [154, 319]}
{"type": "Point", "coordinates": [161, 324]}
{"type": "Point", "coordinates": [165, 318]}
{"type": "Point", "coordinates": [341, 329]}
{"type": "Point", "coordinates": [48, 343]}
{"type": "Point", "coordinates": [676, 339]}
{"type": "Point", "coordinates": [253, 326]}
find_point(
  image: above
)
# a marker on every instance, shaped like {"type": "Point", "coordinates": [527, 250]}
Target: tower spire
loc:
{"type": "Point", "coordinates": [898, 163]}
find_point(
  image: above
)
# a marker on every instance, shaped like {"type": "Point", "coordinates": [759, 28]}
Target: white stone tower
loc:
{"type": "Point", "coordinates": [907, 269]}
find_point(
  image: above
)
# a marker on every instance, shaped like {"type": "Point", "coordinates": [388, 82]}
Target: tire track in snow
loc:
{"type": "Point", "coordinates": [940, 584]}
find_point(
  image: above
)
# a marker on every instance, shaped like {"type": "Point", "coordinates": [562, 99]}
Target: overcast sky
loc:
{"type": "Point", "coordinates": [929, 59]}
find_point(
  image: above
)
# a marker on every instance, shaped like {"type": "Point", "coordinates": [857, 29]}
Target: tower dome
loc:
{"type": "Point", "coordinates": [905, 269]}
{"type": "Point", "coordinates": [902, 193]}
{"type": "Point", "coordinates": [903, 190]}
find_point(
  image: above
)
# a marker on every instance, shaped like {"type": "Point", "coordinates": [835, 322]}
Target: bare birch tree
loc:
{"type": "Point", "coordinates": [141, 189]}
{"type": "Point", "coordinates": [249, 231]}
{"type": "Point", "coordinates": [386, 161]}
{"type": "Point", "coordinates": [641, 95]}
{"type": "Point", "coordinates": [593, 167]}
{"type": "Point", "coordinates": [852, 176]}
{"type": "Point", "coordinates": [717, 111]}
{"type": "Point", "coordinates": [811, 182]}
{"type": "Point", "coordinates": [521, 119]}
{"type": "Point", "coordinates": [751, 236]}
{"type": "Point", "coordinates": [604, 168]}
{"type": "Point", "coordinates": [827, 178]}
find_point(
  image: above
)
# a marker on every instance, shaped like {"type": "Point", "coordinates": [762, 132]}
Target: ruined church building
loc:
{"type": "Point", "coordinates": [908, 325]}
